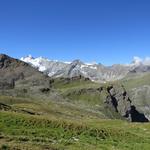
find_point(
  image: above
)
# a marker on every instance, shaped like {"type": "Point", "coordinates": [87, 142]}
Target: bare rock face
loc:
{"type": "Point", "coordinates": [8, 71]}
{"type": "Point", "coordinates": [119, 100]}
{"type": "Point", "coordinates": [6, 61]}
{"type": "Point", "coordinates": [141, 98]}
{"type": "Point", "coordinates": [14, 72]}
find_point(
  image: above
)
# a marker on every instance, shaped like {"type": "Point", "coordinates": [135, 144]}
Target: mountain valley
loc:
{"type": "Point", "coordinates": [55, 105]}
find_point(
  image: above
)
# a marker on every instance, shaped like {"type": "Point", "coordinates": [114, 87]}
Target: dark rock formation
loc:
{"type": "Point", "coordinates": [135, 116]}
{"type": "Point", "coordinates": [6, 61]}
{"type": "Point", "coordinates": [14, 72]}
{"type": "Point", "coordinates": [4, 107]}
{"type": "Point", "coordinates": [44, 90]}
{"type": "Point", "coordinates": [119, 100]}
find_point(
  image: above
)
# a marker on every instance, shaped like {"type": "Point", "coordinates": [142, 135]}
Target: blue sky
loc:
{"type": "Point", "coordinates": [105, 31]}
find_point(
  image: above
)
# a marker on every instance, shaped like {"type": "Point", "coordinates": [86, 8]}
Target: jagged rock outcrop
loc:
{"type": "Point", "coordinates": [113, 99]}
{"type": "Point", "coordinates": [119, 100]}
{"type": "Point", "coordinates": [14, 71]}
{"type": "Point", "coordinates": [6, 61]}
{"type": "Point", "coordinates": [141, 98]}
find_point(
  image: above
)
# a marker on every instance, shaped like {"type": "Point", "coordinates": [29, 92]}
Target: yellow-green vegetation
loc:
{"type": "Point", "coordinates": [43, 132]}
{"type": "Point", "coordinates": [136, 81]}
{"type": "Point", "coordinates": [63, 84]}
{"type": "Point", "coordinates": [79, 91]}
{"type": "Point", "coordinates": [61, 126]}
{"type": "Point", "coordinates": [76, 122]}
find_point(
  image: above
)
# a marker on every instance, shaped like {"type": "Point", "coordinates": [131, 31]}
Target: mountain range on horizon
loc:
{"type": "Point", "coordinates": [135, 61]}
{"type": "Point", "coordinates": [95, 71]}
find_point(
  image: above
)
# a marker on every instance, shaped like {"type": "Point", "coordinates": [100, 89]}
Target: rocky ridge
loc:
{"type": "Point", "coordinates": [96, 72]}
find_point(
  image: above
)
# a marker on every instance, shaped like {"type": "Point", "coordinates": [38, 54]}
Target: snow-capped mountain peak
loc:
{"type": "Point", "coordinates": [96, 72]}
{"type": "Point", "coordinates": [27, 58]}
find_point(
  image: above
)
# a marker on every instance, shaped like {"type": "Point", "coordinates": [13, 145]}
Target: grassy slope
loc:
{"type": "Point", "coordinates": [84, 93]}
{"type": "Point", "coordinates": [135, 82]}
{"type": "Point", "coordinates": [43, 132]}
{"type": "Point", "coordinates": [71, 91]}
{"type": "Point", "coordinates": [63, 125]}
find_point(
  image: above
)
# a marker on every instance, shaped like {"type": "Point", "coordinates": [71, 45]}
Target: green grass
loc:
{"type": "Point", "coordinates": [71, 90]}
{"type": "Point", "coordinates": [64, 126]}
{"type": "Point", "coordinates": [135, 82]}
{"type": "Point", "coordinates": [86, 97]}
{"type": "Point", "coordinates": [68, 125]}
{"type": "Point", "coordinates": [40, 132]}
{"type": "Point", "coordinates": [63, 85]}
{"type": "Point", "coordinates": [13, 100]}
{"type": "Point", "coordinates": [51, 108]}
